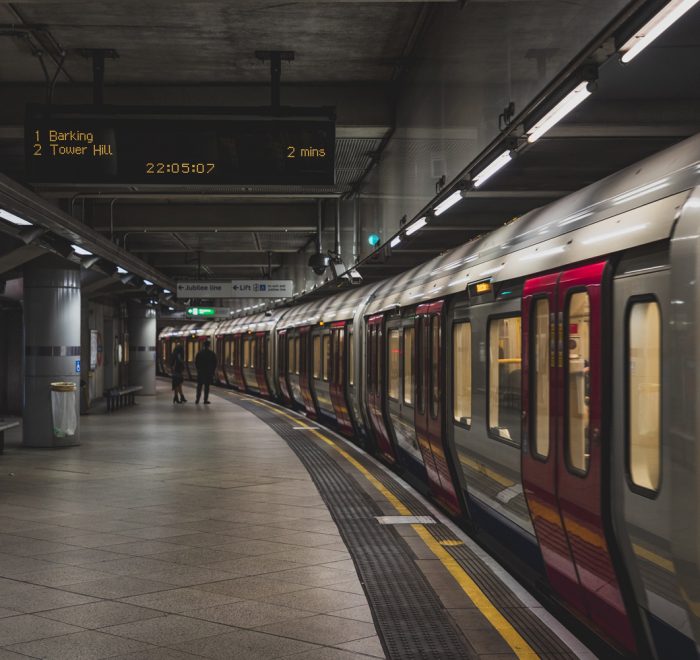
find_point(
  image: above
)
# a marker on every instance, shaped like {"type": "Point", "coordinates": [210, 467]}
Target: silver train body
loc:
{"type": "Point", "coordinates": [540, 383]}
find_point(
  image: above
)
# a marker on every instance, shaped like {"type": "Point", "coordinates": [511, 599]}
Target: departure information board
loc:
{"type": "Point", "coordinates": [68, 146]}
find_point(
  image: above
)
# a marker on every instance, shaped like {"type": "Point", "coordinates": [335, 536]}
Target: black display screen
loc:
{"type": "Point", "coordinates": [64, 146]}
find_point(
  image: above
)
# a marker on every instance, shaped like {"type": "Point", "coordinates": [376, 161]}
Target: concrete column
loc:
{"type": "Point", "coordinates": [142, 347]}
{"type": "Point", "coordinates": [51, 345]}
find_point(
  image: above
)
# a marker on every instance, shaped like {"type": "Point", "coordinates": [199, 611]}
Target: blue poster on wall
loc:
{"type": "Point", "coordinates": [77, 366]}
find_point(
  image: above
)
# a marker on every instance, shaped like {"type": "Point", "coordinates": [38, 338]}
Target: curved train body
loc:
{"type": "Point", "coordinates": [539, 383]}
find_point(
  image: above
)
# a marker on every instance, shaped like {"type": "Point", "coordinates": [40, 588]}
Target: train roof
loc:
{"type": "Point", "coordinates": [635, 206]}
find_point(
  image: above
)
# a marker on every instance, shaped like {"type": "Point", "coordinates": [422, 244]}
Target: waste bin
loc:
{"type": "Point", "coordinates": [63, 409]}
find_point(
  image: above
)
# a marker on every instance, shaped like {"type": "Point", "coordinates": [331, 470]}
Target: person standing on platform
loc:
{"type": "Point", "coordinates": [205, 361]}
{"type": "Point", "coordinates": [177, 364]}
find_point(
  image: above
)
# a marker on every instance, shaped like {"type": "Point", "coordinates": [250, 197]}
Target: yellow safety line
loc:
{"type": "Point", "coordinates": [511, 636]}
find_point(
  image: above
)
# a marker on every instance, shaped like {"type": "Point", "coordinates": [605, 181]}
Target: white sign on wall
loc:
{"type": "Point", "coordinates": [262, 288]}
{"type": "Point", "coordinates": [204, 290]}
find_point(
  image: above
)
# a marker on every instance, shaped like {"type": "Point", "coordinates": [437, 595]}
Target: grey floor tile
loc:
{"type": "Point", "coordinates": [248, 644]}
{"type": "Point", "coordinates": [342, 565]}
{"type": "Point", "coordinates": [60, 575]}
{"type": "Point", "coordinates": [27, 547]}
{"type": "Point", "coordinates": [130, 565]}
{"type": "Point", "coordinates": [257, 547]}
{"type": "Point", "coordinates": [97, 539]}
{"type": "Point", "coordinates": [29, 598]}
{"type": "Point", "coordinates": [13, 565]}
{"type": "Point", "coordinates": [100, 614]}
{"type": "Point", "coordinates": [153, 533]}
{"type": "Point", "coordinates": [254, 566]}
{"type": "Point", "coordinates": [5, 612]}
{"type": "Point", "coordinates": [86, 645]}
{"type": "Point", "coordinates": [253, 587]}
{"type": "Point", "coordinates": [314, 576]}
{"type": "Point", "coordinates": [171, 629]}
{"type": "Point", "coordinates": [318, 600]}
{"type": "Point", "coordinates": [367, 646]}
{"type": "Point", "coordinates": [322, 629]}
{"type": "Point", "coordinates": [153, 653]}
{"type": "Point", "coordinates": [359, 613]}
{"type": "Point", "coordinates": [117, 587]}
{"type": "Point", "coordinates": [201, 540]}
{"type": "Point", "coordinates": [28, 627]}
{"type": "Point", "coordinates": [11, 655]}
{"type": "Point", "coordinates": [329, 653]}
{"type": "Point", "coordinates": [248, 614]}
{"type": "Point", "coordinates": [140, 548]}
{"type": "Point", "coordinates": [312, 556]}
{"type": "Point", "coordinates": [81, 556]}
{"type": "Point", "coordinates": [194, 556]}
{"type": "Point", "coordinates": [352, 585]}
{"type": "Point", "coordinates": [180, 600]}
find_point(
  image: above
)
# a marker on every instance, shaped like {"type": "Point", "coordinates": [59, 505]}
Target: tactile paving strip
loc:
{"type": "Point", "coordinates": [409, 617]}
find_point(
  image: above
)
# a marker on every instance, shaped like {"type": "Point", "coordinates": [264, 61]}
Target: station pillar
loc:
{"type": "Point", "coordinates": [142, 347]}
{"type": "Point", "coordinates": [51, 346]}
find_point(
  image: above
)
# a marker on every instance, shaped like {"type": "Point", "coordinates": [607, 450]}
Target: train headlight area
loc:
{"type": "Point", "coordinates": [446, 253]}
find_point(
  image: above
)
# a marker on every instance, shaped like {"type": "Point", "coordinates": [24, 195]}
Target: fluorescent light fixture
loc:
{"type": "Point", "coordinates": [122, 271]}
{"type": "Point", "coordinates": [167, 291]}
{"type": "Point", "coordinates": [81, 251]}
{"type": "Point", "coordinates": [148, 282]}
{"type": "Point", "coordinates": [448, 203]}
{"type": "Point", "coordinates": [395, 241]}
{"type": "Point", "coordinates": [172, 309]}
{"type": "Point", "coordinates": [14, 219]}
{"type": "Point", "coordinates": [491, 169]}
{"type": "Point", "coordinates": [418, 224]}
{"type": "Point", "coordinates": [559, 111]}
{"type": "Point", "coordinates": [664, 19]}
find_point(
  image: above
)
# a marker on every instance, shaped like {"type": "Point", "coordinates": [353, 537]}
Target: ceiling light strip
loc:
{"type": "Point", "coordinates": [572, 100]}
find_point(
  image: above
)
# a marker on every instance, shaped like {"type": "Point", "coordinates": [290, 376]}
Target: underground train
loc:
{"type": "Point", "coordinates": [539, 383]}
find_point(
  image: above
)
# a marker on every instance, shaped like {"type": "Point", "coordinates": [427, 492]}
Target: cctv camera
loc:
{"type": "Point", "coordinates": [319, 263]}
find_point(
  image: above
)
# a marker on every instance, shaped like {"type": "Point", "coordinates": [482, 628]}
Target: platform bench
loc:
{"type": "Point", "coordinates": [5, 426]}
{"type": "Point", "coordinates": [118, 397]}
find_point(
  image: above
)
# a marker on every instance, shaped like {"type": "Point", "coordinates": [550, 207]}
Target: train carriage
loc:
{"type": "Point", "coordinates": [539, 383]}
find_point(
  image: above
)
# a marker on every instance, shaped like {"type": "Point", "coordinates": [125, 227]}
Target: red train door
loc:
{"type": "Point", "coordinates": [375, 387]}
{"type": "Point", "coordinates": [305, 372]}
{"type": "Point", "coordinates": [337, 384]}
{"type": "Point", "coordinates": [429, 409]}
{"type": "Point", "coordinates": [261, 363]}
{"type": "Point", "coordinates": [564, 479]}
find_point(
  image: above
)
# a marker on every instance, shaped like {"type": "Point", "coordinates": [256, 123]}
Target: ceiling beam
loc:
{"type": "Point", "coordinates": [19, 256]}
{"type": "Point", "coordinates": [215, 259]}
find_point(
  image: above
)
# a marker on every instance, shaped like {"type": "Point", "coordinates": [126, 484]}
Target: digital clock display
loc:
{"type": "Point", "coordinates": [155, 146]}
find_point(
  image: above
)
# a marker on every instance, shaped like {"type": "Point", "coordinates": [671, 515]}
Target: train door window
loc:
{"type": "Point", "coordinates": [408, 380]}
{"type": "Point", "coordinates": [394, 364]}
{"type": "Point", "coordinates": [462, 370]}
{"type": "Point", "coordinates": [539, 396]}
{"type": "Point", "coordinates": [420, 352]}
{"type": "Point", "coordinates": [246, 352]}
{"type": "Point", "coordinates": [290, 354]}
{"type": "Point", "coordinates": [317, 357]}
{"type": "Point", "coordinates": [253, 348]}
{"type": "Point", "coordinates": [504, 378]}
{"type": "Point", "coordinates": [297, 354]}
{"type": "Point", "coordinates": [577, 319]}
{"type": "Point", "coordinates": [351, 358]}
{"type": "Point", "coordinates": [268, 352]}
{"type": "Point", "coordinates": [644, 394]}
{"type": "Point", "coordinates": [227, 351]}
{"type": "Point", "coordinates": [326, 352]}
{"type": "Point", "coordinates": [340, 340]}
{"type": "Point", "coordinates": [379, 339]}
{"type": "Point", "coordinates": [435, 339]}
{"type": "Point", "coordinates": [190, 351]}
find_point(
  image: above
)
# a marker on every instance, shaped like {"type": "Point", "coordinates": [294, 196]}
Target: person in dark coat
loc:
{"type": "Point", "coordinates": [205, 361]}
{"type": "Point", "coordinates": [177, 365]}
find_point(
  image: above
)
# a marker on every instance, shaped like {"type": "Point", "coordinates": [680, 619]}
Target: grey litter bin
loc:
{"type": "Point", "coordinates": [63, 409]}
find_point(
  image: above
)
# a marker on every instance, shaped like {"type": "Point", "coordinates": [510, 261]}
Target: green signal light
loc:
{"type": "Point", "coordinates": [373, 240]}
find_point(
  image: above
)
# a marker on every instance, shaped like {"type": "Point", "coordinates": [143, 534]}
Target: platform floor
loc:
{"type": "Point", "coordinates": [193, 531]}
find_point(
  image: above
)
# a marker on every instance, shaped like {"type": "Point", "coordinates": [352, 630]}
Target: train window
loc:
{"type": "Point", "coordinates": [290, 354]}
{"type": "Point", "coordinates": [420, 352]}
{"type": "Point", "coordinates": [316, 341]}
{"type": "Point", "coordinates": [379, 342]}
{"type": "Point", "coordinates": [297, 354]}
{"type": "Point", "coordinates": [408, 383]}
{"type": "Point", "coordinates": [340, 339]}
{"type": "Point", "coordinates": [227, 351]}
{"type": "Point", "coordinates": [268, 352]}
{"type": "Point", "coordinates": [246, 352]}
{"type": "Point", "coordinates": [539, 396]}
{"type": "Point", "coordinates": [644, 394]}
{"type": "Point", "coordinates": [253, 351]}
{"type": "Point", "coordinates": [504, 378]}
{"type": "Point", "coordinates": [578, 320]}
{"type": "Point", "coordinates": [394, 364]}
{"type": "Point", "coordinates": [462, 370]}
{"type": "Point", "coordinates": [326, 350]}
{"type": "Point", "coordinates": [351, 358]}
{"type": "Point", "coordinates": [435, 351]}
